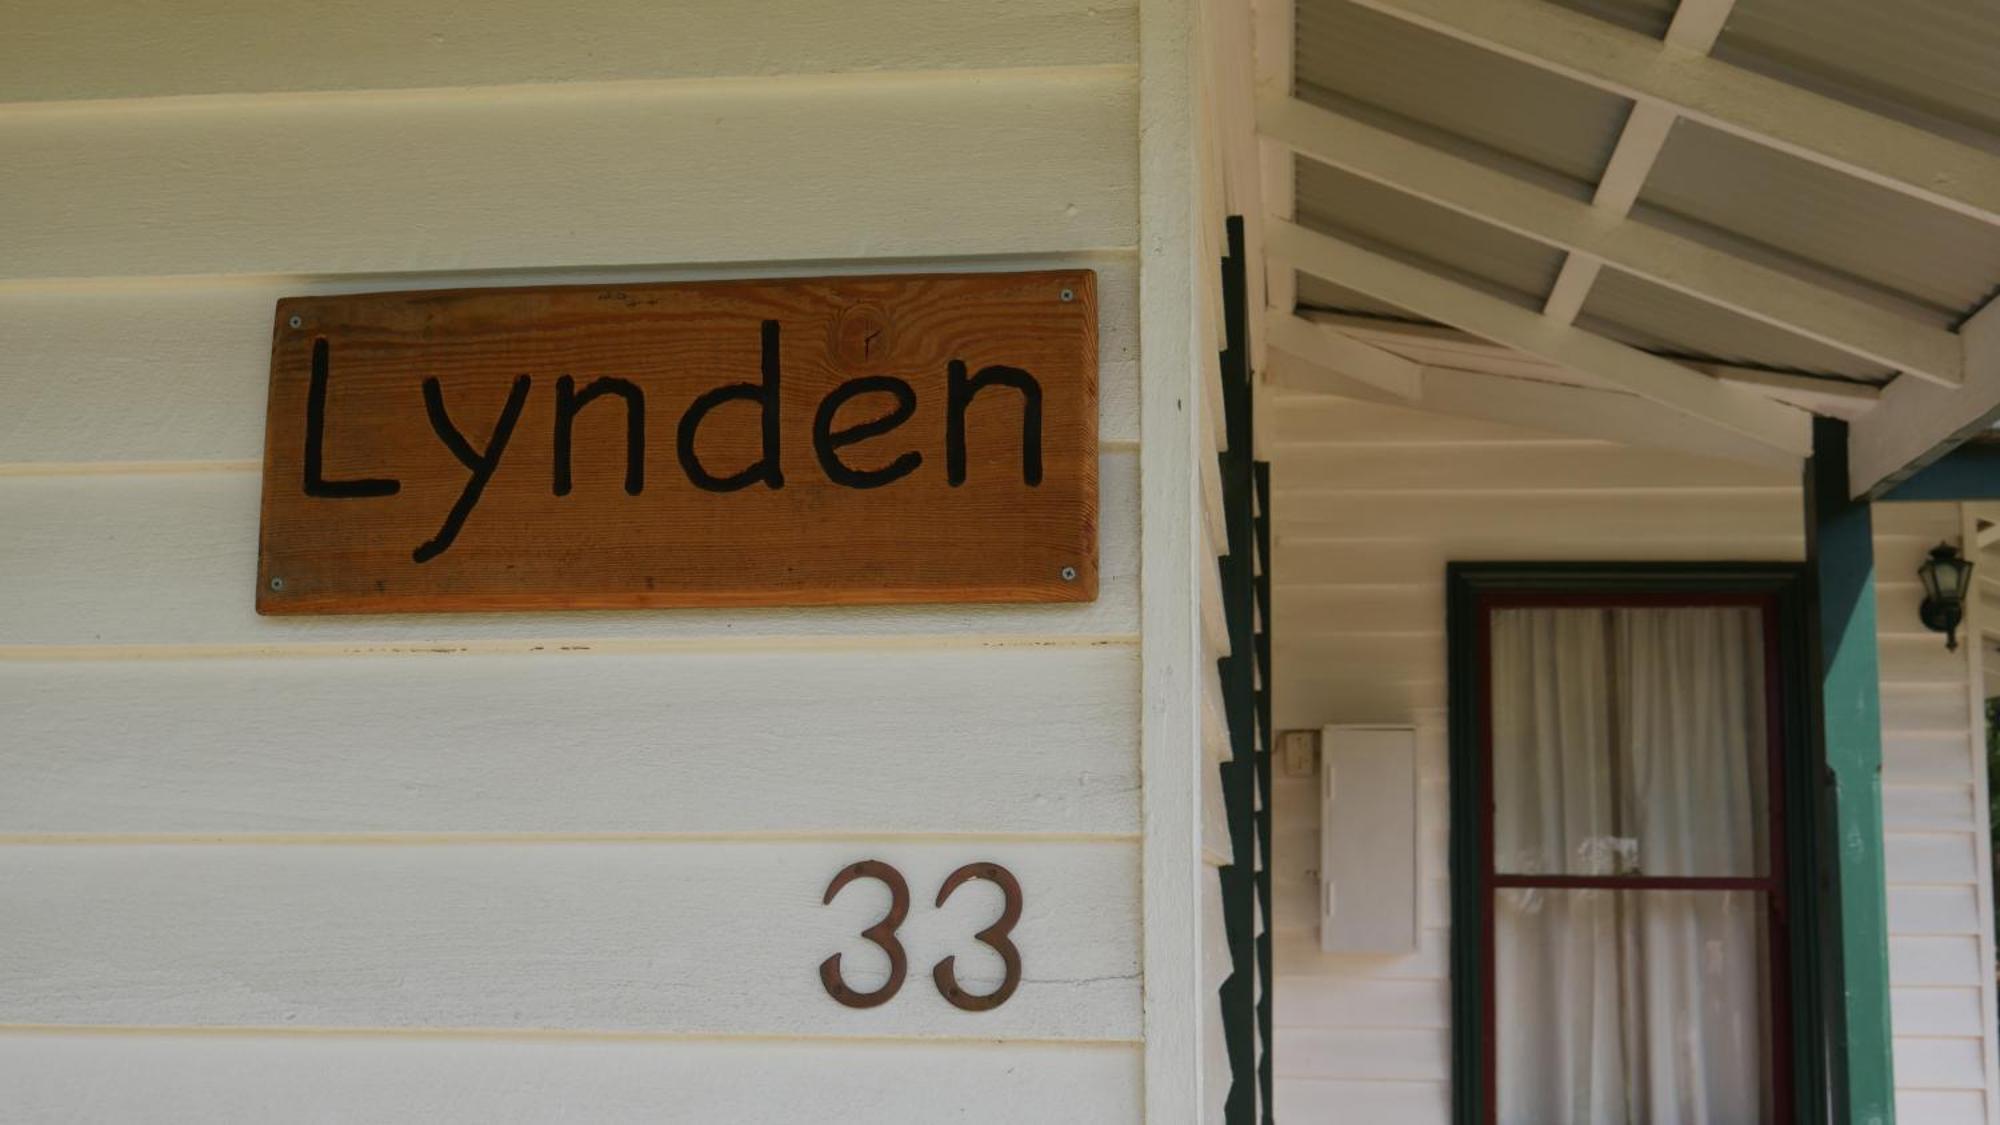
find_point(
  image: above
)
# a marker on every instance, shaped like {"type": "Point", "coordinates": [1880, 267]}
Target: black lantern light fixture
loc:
{"type": "Point", "coordinates": [1946, 577]}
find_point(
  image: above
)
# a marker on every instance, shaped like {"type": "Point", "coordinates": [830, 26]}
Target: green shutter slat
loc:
{"type": "Point", "coordinates": [1238, 672]}
{"type": "Point", "coordinates": [1261, 481]}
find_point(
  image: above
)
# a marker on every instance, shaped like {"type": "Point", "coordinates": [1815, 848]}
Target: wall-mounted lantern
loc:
{"type": "Point", "coordinates": [1946, 577]}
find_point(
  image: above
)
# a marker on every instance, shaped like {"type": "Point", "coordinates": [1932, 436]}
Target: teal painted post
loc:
{"type": "Point", "coordinates": [1840, 551]}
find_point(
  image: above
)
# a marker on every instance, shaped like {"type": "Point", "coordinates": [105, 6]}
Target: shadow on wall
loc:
{"type": "Point", "coordinates": [1993, 795]}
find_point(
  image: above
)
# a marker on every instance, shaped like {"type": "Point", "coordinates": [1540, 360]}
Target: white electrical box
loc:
{"type": "Point", "coordinates": [1368, 836]}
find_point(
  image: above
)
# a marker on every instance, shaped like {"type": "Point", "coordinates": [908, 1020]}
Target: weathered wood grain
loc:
{"type": "Point", "coordinates": [739, 456]}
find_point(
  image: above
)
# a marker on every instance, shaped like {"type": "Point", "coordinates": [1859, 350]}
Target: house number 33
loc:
{"type": "Point", "coordinates": [883, 934]}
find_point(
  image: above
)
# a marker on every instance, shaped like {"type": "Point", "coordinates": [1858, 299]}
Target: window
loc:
{"type": "Point", "coordinates": [1621, 863]}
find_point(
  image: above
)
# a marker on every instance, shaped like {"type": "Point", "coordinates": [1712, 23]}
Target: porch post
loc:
{"type": "Point", "coordinates": [1854, 927]}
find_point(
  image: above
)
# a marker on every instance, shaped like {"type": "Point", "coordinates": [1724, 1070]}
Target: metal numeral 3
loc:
{"type": "Point", "coordinates": [883, 934]}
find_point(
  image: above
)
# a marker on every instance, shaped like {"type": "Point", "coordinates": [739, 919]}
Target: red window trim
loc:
{"type": "Point", "coordinates": [1772, 884]}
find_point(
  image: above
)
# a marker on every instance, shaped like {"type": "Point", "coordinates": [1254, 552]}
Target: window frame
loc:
{"type": "Point", "coordinates": [1473, 589]}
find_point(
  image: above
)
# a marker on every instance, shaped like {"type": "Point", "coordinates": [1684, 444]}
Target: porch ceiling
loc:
{"type": "Point", "coordinates": [1811, 192]}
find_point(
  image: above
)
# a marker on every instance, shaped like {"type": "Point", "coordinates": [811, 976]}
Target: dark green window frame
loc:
{"type": "Point", "coordinates": [1474, 1085]}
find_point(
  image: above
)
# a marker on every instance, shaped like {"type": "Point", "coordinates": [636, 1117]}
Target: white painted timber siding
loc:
{"type": "Point", "coordinates": [1209, 236]}
{"type": "Point", "coordinates": [1935, 819]}
{"type": "Point", "coordinates": [1185, 734]}
{"type": "Point", "coordinates": [1370, 502]}
{"type": "Point", "coordinates": [535, 867]}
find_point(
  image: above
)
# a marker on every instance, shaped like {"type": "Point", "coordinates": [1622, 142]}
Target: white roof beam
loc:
{"type": "Point", "coordinates": [1675, 261]}
{"type": "Point", "coordinates": [1695, 26]}
{"type": "Point", "coordinates": [1639, 145]}
{"type": "Point", "coordinates": [1917, 423]}
{"type": "Point", "coordinates": [1807, 125]}
{"type": "Point", "coordinates": [1533, 405]}
{"type": "Point", "coordinates": [1437, 345]}
{"type": "Point", "coordinates": [1289, 372]}
{"type": "Point", "coordinates": [1835, 398]}
{"type": "Point", "coordinates": [1336, 351]}
{"type": "Point", "coordinates": [1663, 381]}
{"type": "Point", "coordinates": [1586, 412]}
{"type": "Point", "coordinates": [1572, 288]}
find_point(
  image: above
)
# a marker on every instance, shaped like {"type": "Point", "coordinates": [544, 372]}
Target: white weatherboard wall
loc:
{"type": "Point", "coordinates": [529, 867]}
{"type": "Point", "coordinates": [1369, 503]}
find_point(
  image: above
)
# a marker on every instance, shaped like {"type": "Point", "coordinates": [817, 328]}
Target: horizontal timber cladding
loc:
{"type": "Point", "coordinates": [78, 540]}
{"type": "Point", "coordinates": [121, 372]}
{"type": "Point", "coordinates": [484, 867]}
{"type": "Point", "coordinates": [541, 177]}
{"type": "Point", "coordinates": [1369, 503]}
{"type": "Point", "coordinates": [685, 937]}
{"type": "Point", "coordinates": [215, 46]}
{"type": "Point", "coordinates": [846, 739]}
{"type": "Point", "coordinates": [171, 1079]}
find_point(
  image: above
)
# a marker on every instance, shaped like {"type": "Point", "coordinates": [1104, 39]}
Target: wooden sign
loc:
{"type": "Point", "coordinates": [830, 441]}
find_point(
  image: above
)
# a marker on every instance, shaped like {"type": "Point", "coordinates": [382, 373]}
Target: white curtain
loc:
{"type": "Point", "coordinates": [1630, 742]}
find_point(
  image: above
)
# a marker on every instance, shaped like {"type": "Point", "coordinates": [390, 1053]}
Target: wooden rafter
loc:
{"type": "Point", "coordinates": [1535, 405]}
{"type": "Point", "coordinates": [1438, 345]}
{"type": "Point", "coordinates": [1807, 125]}
{"type": "Point", "coordinates": [1338, 351]}
{"type": "Point", "coordinates": [1680, 263]}
{"type": "Point", "coordinates": [1663, 381]}
{"type": "Point", "coordinates": [1694, 28]}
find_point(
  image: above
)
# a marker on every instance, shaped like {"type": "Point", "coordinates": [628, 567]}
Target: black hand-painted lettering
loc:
{"type": "Point", "coordinates": [766, 467]}
{"type": "Point", "coordinates": [569, 402]}
{"type": "Point", "coordinates": [827, 440]}
{"type": "Point", "coordinates": [959, 393]}
{"type": "Point", "coordinates": [316, 483]}
{"type": "Point", "coordinates": [481, 464]}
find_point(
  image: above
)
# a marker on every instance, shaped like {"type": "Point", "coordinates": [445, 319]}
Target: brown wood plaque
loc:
{"type": "Point", "coordinates": [843, 440]}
